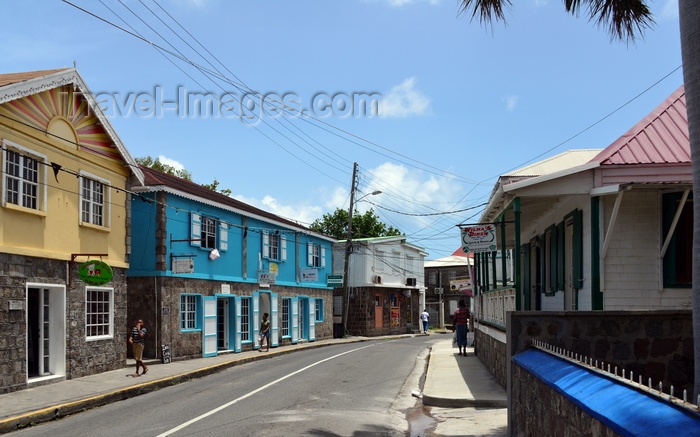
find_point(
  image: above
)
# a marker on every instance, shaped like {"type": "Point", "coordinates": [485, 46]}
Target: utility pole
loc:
{"type": "Point", "coordinates": [348, 250]}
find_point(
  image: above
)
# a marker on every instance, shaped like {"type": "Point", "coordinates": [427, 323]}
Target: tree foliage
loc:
{"type": "Point", "coordinates": [625, 20]}
{"type": "Point", "coordinates": [155, 164]}
{"type": "Point", "coordinates": [365, 225]}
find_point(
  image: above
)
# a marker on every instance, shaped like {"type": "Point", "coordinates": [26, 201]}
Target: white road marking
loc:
{"type": "Point", "coordinates": [258, 390]}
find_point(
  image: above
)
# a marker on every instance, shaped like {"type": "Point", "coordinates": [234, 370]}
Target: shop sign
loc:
{"type": "Point", "coordinates": [334, 280]}
{"type": "Point", "coordinates": [309, 275]}
{"type": "Point", "coordinates": [95, 272]}
{"type": "Point", "coordinates": [479, 238]}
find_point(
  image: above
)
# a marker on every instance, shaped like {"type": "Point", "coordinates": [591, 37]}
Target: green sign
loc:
{"type": "Point", "coordinates": [95, 272]}
{"type": "Point", "coordinates": [335, 279]}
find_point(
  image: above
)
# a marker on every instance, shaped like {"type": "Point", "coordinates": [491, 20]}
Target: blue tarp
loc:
{"type": "Point", "coordinates": [623, 409]}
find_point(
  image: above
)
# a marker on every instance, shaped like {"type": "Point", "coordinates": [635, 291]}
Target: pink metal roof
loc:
{"type": "Point", "coordinates": [660, 138]}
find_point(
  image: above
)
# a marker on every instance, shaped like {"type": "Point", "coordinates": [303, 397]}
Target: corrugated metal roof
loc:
{"type": "Point", "coordinates": [449, 261]}
{"type": "Point", "coordinates": [660, 138]}
{"type": "Point", "coordinates": [11, 78]}
{"type": "Point", "coordinates": [562, 161]}
{"type": "Point", "coordinates": [155, 180]}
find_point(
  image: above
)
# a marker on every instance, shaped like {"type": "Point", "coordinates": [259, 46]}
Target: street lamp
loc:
{"type": "Point", "coordinates": [348, 250]}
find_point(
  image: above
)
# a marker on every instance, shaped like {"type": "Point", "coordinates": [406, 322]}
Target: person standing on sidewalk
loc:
{"type": "Point", "coordinates": [424, 316]}
{"type": "Point", "coordinates": [265, 332]}
{"type": "Point", "coordinates": [137, 339]}
{"type": "Point", "coordinates": [460, 323]}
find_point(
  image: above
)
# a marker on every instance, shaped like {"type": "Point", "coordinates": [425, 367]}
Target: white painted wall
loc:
{"type": "Point", "coordinates": [632, 269]}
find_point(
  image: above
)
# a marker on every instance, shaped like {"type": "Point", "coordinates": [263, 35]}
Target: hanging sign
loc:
{"type": "Point", "coordinates": [95, 272]}
{"type": "Point", "coordinates": [479, 238]}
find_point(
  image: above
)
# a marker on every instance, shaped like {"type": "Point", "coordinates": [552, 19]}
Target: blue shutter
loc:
{"type": "Point", "coordinates": [223, 237]}
{"type": "Point", "coordinates": [274, 322]}
{"type": "Point", "coordinates": [196, 230]}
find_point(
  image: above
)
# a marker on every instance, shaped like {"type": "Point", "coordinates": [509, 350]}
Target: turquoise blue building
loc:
{"type": "Point", "coordinates": [204, 267]}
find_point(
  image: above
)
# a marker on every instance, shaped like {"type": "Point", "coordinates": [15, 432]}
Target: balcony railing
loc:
{"type": "Point", "coordinates": [491, 306]}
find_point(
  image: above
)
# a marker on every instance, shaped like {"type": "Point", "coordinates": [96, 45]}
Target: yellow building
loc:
{"type": "Point", "coordinates": [64, 172]}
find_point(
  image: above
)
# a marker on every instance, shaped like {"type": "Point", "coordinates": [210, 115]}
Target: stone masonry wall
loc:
{"type": "Point", "coordinates": [492, 353]}
{"type": "Point", "coordinates": [82, 357]}
{"type": "Point", "coordinates": [361, 313]}
{"type": "Point", "coordinates": [537, 410]}
{"type": "Point", "coordinates": [653, 344]}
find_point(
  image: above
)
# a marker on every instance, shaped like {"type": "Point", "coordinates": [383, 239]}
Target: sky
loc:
{"type": "Point", "coordinates": [277, 100]}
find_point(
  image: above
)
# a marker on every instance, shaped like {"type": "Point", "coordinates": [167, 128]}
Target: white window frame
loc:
{"type": "Point", "coordinates": [99, 313]}
{"type": "Point", "coordinates": [208, 233]}
{"type": "Point", "coordinates": [40, 183]}
{"type": "Point", "coordinates": [189, 314]}
{"type": "Point", "coordinates": [246, 319]}
{"type": "Point", "coordinates": [286, 317]}
{"type": "Point", "coordinates": [314, 255]}
{"type": "Point", "coordinates": [106, 201]}
{"type": "Point", "coordinates": [274, 246]}
{"type": "Point", "coordinates": [318, 310]}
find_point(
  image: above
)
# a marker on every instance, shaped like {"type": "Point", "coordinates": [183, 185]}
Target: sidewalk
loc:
{"type": "Point", "coordinates": [451, 381]}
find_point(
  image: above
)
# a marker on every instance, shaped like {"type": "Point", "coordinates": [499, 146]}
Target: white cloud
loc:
{"type": "Point", "coordinates": [409, 191]}
{"type": "Point", "coordinates": [404, 100]}
{"type": "Point", "coordinates": [177, 165]}
{"type": "Point", "coordinates": [511, 102]}
{"type": "Point", "coordinates": [304, 214]}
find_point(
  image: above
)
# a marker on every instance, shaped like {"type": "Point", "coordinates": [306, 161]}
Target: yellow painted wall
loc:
{"type": "Point", "coordinates": [56, 232]}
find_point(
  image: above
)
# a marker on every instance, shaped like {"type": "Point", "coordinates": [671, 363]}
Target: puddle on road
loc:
{"type": "Point", "coordinates": [420, 424]}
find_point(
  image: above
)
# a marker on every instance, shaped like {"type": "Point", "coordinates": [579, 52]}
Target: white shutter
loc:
{"type": "Point", "coordinates": [312, 319]}
{"type": "Point", "coordinates": [256, 319]}
{"type": "Point", "coordinates": [295, 320]}
{"type": "Point", "coordinates": [238, 324]}
{"type": "Point", "coordinates": [223, 236]}
{"type": "Point", "coordinates": [274, 322]}
{"type": "Point", "coordinates": [265, 245]}
{"type": "Point", "coordinates": [196, 226]}
{"type": "Point", "coordinates": [283, 248]}
{"type": "Point", "coordinates": [309, 254]}
{"type": "Point", "coordinates": [323, 257]}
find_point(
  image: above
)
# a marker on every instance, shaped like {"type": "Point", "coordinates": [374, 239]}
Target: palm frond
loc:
{"type": "Point", "coordinates": [625, 20]}
{"type": "Point", "coordinates": [488, 11]}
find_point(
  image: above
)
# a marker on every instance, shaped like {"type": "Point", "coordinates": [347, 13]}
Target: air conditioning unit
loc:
{"type": "Point", "coordinates": [411, 282]}
{"type": "Point", "coordinates": [377, 279]}
{"type": "Point", "coordinates": [439, 290]}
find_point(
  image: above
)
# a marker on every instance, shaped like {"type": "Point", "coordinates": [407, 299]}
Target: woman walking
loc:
{"type": "Point", "coordinates": [460, 323]}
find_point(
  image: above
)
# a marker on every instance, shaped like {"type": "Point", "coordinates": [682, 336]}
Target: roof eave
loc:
{"type": "Point", "coordinates": [70, 76]}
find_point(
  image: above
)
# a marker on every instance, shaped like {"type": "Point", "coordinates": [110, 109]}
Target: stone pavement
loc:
{"type": "Point", "coordinates": [452, 382]}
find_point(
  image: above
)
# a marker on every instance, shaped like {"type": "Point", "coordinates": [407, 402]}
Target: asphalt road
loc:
{"type": "Point", "coordinates": [341, 390]}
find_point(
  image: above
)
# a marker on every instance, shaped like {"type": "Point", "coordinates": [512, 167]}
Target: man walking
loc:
{"type": "Point", "coordinates": [424, 316]}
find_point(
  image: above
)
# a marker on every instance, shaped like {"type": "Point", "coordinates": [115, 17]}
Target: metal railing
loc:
{"type": "Point", "coordinates": [620, 376]}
